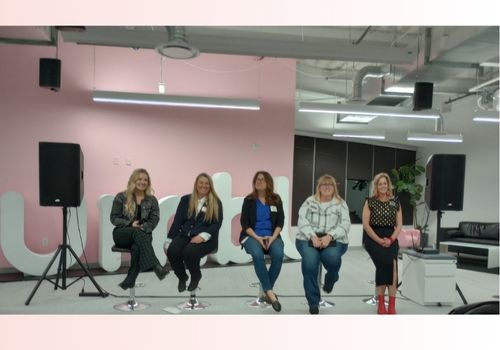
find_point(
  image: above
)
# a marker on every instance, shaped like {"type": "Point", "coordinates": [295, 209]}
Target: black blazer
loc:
{"type": "Point", "coordinates": [192, 226]}
{"type": "Point", "coordinates": [249, 216]}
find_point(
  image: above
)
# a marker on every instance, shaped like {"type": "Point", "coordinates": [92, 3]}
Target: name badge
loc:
{"type": "Point", "coordinates": [203, 209]}
{"type": "Point", "coordinates": [273, 208]}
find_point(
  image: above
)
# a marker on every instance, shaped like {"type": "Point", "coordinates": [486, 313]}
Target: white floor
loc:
{"type": "Point", "coordinates": [227, 289]}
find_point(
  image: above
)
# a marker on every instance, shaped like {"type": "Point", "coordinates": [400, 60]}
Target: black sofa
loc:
{"type": "Point", "coordinates": [483, 235]}
{"type": "Point", "coordinates": [472, 232]}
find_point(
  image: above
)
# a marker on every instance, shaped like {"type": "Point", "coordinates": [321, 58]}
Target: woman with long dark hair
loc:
{"type": "Point", "coordinates": [262, 220]}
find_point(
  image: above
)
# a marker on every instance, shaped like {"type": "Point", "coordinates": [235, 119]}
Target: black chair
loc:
{"type": "Point", "coordinates": [132, 304]}
{"type": "Point", "coordinates": [483, 307]}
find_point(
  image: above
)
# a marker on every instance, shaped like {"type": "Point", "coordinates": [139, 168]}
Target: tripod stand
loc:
{"type": "Point", "coordinates": [62, 270]}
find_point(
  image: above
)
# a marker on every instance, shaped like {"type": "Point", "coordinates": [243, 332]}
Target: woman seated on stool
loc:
{"type": "Point", "coordinates": [382, 222]}
{"type": "Point", "coordinates": [195, 231]}
{"type": "Point", "coordinates": [135, 214]}
{"type": "Point", "coordinates": [323, 225]}
{"type": "Point", "coordinates": [262, 220]}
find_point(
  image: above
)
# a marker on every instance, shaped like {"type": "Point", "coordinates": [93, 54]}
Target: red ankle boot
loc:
{"type": "Point", "coordinates": [381, 305]}
{"type": "Point", "coordinates": [392, 305]}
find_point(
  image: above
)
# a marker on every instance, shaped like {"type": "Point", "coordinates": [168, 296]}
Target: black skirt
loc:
{"type": "Point", "coordinates": [385, 259]}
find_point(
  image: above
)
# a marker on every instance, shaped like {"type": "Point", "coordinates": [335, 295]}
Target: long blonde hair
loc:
{"type": "Point", "coordinates": [375, 182]}
{"type": "Point", "coordinates": [130, 204]}
{"type": "Point", "coordinates": [326, 179]}
{"type": "Point", "coordinates": [212, 213]}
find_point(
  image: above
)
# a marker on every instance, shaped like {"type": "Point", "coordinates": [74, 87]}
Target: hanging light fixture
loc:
{"type": "Point", "coordinates": [438, 136]}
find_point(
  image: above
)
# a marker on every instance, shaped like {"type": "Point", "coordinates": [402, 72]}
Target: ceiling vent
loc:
{"type": "Point", "coordinates": [177, 47]}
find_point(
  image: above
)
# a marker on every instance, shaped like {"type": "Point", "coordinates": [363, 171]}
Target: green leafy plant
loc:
{"type": "Point", "coordinates": [403, 179]}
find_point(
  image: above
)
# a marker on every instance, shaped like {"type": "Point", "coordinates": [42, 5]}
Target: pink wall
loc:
{"type": "Point", "coordinates": [174, 144]}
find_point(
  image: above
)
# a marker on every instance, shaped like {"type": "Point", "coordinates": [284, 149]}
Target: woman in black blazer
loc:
{"type": "Point", "coordinates": [195, 231]}
{"type": "Point", "coordinates": [262, 220]}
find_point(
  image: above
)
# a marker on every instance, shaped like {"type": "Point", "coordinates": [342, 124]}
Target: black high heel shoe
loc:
{"type": "Point", "coordinates": [275, 304]}
{"type": "Point", "coordinates": [193, 284]}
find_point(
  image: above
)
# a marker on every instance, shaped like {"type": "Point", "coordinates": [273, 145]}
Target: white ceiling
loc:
{"type": "Point", "coordinates": [328, 60]}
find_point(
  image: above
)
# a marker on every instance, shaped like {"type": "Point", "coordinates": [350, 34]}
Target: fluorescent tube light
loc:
{"type": "Point", "coordinates": [361, 119]}
{"type": "Point", "coordinates": [487, 119]}
{"type": "Point", "coordinates": [382, 111]}
{"type": "Point", "coordinates": [401, 89]}
{"type": "Point", "coordinates": [437, 137]}
{"type": "Point", "coordinates": [486, 83]}
{"type": "Point", "coordinates": [359, 135]}
{"type": "Point", "coordinates": [489, 64]}
{"type": "Point", "coordinates": [176, 101]}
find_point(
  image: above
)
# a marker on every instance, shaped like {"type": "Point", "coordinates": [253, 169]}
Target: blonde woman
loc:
{"type": "Point", "coordinates": [135, 214]}
{"type": "Point", "coordinates": [382, 222]}
{"type": "Point", "coordinates": [194, 231]}
{"type": "Point", "coordinates": [324, 226]}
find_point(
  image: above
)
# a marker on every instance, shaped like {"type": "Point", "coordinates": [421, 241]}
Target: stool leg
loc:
{"type": "Point", "coordinates": [132, 304]}
{"type": "Point", "coordinates": [259, 302]}
{"type": "Point", "coordinates": [193, 303]}
{"type": "Point", "coordinates": [322, 302]}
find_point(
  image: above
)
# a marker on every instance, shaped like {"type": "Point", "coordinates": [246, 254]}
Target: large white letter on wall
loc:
{"type": "Point", "coordinates": [12, 236]}
{"type": "Point", "coordinates": [232, 206]}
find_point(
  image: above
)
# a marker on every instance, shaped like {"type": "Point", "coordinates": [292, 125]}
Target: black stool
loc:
{"type": "Point", "coordinates": [132, 304]}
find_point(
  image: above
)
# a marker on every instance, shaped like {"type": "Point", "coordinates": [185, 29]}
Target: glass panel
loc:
{"type": "Point", "coordinates": [357, 191]}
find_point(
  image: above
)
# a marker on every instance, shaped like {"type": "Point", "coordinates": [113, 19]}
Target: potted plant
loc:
{"type": "Point", "coordinates": [403, 179]}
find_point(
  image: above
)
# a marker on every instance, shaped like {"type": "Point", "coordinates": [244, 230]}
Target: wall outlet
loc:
{"type": "Point", "coordinates": [116, 161]}
{"type": "Point", "coordinates": [45, 242]}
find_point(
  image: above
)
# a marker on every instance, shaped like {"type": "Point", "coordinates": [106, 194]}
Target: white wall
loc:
{"type": "Point", "coordinates": [480, 146]}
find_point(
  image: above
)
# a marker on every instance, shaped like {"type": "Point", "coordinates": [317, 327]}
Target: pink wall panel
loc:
{"type": "Point", "coordinates": [174, 144]}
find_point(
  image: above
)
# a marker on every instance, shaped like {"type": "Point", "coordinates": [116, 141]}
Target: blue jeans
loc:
{"type": "Point", "coordinates": [266, 278]}
{"type": "Point", "coordinates": [330, 257]}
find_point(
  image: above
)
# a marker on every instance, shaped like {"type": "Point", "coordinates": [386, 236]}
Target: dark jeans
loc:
{"type": "Point", "coordinates": [330, 257]}
{"type": "Point", "coordinates": [142, 257]}
{"type": "Point", "coordinates": [182, 253]}
{"type": "Point", "coordinates": [266, 278]}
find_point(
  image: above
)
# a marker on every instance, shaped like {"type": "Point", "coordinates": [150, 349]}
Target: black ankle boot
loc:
{"type": "Point", "coordinates": [160, 271]}
{"type": "Point", "coordinates": [181, 287]}
{"type": "Point", "coordinates": [126, 284]}
{"type": "Point", "coordinates": [193, 284]}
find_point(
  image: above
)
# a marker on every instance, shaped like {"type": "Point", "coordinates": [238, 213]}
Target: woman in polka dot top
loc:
{"type": "Point", "coordinates": [382, 222]}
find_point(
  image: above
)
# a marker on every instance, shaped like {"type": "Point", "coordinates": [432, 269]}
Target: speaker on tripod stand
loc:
{"type": "Point", "coordinates": [61, 185]}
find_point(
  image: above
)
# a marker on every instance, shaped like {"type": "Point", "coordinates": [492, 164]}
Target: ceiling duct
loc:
{"type": "Point", "coordinates": [177, 47]}
{"type": "Point", "coordinates": [368, 71]}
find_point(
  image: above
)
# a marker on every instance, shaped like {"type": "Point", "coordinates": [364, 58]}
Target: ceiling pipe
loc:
{"type": "Point", "coordinates": [358, 80]}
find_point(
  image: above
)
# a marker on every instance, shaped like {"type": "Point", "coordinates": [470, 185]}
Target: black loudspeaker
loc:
{"type": "Point", "coordinates": [445, 177]}
{"type": "Point", "coordinates": [50, 73]}
{"type": "Point", "coordinates": [422, 96]}
{"type": "Point", "coordinates": [60, 174]}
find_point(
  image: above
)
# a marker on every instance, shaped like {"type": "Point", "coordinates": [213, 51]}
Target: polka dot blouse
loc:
{"type": "Point", "coordinates": [383, 213]}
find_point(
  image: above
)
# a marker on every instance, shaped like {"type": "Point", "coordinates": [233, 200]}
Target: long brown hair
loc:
{"type": "Point", "coordinates": [130, 204]}
{"type": "Point", "coordinates": [212, 213]}
{"type": "Point", "coordinates": [376, 179]}
{"type": "Point", "coordinates": [271, 197]}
